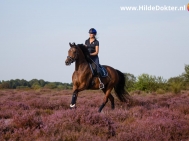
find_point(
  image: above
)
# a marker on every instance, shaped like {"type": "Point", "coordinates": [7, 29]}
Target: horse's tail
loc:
{"type": "Point", "coordinates": [120, 91]}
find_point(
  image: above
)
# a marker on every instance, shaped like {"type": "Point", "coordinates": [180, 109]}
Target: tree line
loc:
{"type": "Point", "coordinates": [34, 84]}
{"type": "Point", "coordinates": [150, 83]}
{"type": "Point", "coordinates": [143, 82]}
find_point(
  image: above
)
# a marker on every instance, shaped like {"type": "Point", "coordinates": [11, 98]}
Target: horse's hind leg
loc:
{"type": "Point", "coordinates": [105, 100]}
{"type": "Point", "coordinates": [103, 104]}
{"type": "Point", "coordinates": [112, 101]}
{"type": "Point", "coordinates": [111, 98]}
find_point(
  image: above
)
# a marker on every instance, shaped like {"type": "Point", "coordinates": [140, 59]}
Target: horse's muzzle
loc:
{"type": "Point", "coordinates": [67, 62]}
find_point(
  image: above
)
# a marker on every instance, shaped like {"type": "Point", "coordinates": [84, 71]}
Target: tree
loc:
{"type": "Point", "coordinates": [13, 84]}
{"type": "Point", "coordinates": [130, 80]}
{"type": "Point", "coordinates": [36, 85]}
{"type": "Point", "coordinates": [23, 82]}
{"type": "Point", "coordinates": [146, 82]}
{"type": "Point", "coordinates": [42, 82]}
{"type": "Point", "coordinates": [50, 85]}
{"type": "Point", "coordinates": [31, 82]}
{"type": "Point", "coordinates": [60, 87]}
{"type": "Point", "coordinates": [186, 73]}
{"type": "Point", "coordinates": [5, 85]}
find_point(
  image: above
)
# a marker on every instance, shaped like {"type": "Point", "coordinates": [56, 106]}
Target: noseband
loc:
{"type": "Point", "coordinates": [71, 59]}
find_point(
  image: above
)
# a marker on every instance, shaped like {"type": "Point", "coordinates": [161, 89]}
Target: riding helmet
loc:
{"type": "Point", "coordinates": [92, 31]}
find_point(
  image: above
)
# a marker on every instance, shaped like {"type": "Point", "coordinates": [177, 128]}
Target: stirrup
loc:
{"type": "Point", "coordinates": [101, 85]}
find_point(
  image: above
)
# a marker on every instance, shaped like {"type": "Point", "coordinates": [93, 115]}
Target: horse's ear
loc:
{"type": "Point", "coordinates": [70, 44]}
{"type": "Point", "coordinates": [73, 43]}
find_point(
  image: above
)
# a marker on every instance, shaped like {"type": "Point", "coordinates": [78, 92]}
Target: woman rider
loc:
{"type": "Point", "coordinates": [92, 45]}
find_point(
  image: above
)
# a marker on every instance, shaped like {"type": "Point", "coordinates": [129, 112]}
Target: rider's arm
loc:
{"type": "Point", "coordinates": [96, 52]}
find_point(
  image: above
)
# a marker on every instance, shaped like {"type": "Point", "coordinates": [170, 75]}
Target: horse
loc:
{"type": "Point", "coordinates": [82, 77]}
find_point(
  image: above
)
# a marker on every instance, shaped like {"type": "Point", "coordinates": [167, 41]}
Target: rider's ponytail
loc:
{"type": "Point", "coordinates": [96, 37]}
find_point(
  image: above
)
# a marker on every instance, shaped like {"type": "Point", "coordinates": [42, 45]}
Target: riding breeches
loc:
{"type": "Point", "coordinates": [96, 60]}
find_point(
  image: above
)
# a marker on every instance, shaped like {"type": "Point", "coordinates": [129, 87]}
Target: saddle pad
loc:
{"type": "Point", "coordinates": [103, 71]}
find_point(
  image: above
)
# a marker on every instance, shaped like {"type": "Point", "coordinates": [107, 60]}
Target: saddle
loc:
{"type": "Point", "coordinates": [103, 71]}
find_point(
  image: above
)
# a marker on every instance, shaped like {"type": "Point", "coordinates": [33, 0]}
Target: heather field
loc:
{"type": "Point", "coordinates": [44, 115]}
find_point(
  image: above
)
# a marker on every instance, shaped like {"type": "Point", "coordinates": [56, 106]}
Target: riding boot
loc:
{"type": "Point", "coordinates": [101, 85]}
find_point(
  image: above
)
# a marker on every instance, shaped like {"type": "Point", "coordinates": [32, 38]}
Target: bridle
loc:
{"type": "Point", "coordinates": [71, 59]}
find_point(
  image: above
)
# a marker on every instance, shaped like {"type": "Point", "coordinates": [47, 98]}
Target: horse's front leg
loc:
{"type": "Point", "coordinates": [74, 98]}
{"type": "Point", "coordinates": [76, 90]}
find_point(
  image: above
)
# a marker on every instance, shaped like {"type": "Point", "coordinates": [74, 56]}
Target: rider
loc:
{"type": "Point", "coordinates": [92, 45]}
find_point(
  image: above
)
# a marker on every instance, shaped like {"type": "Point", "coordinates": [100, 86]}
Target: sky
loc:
{"type": "Point", "coordinates": [35, 36]}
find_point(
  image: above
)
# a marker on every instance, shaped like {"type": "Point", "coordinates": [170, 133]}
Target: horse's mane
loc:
{"type": "Point", "coordinates": [85, 52]}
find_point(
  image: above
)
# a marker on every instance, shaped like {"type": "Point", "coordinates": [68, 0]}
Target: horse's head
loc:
{"type": "Point", "coordinates": [72, 54]}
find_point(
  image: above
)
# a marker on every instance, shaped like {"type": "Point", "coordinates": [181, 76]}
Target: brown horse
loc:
{"type": "Point", "coordinates": [82, 77]}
